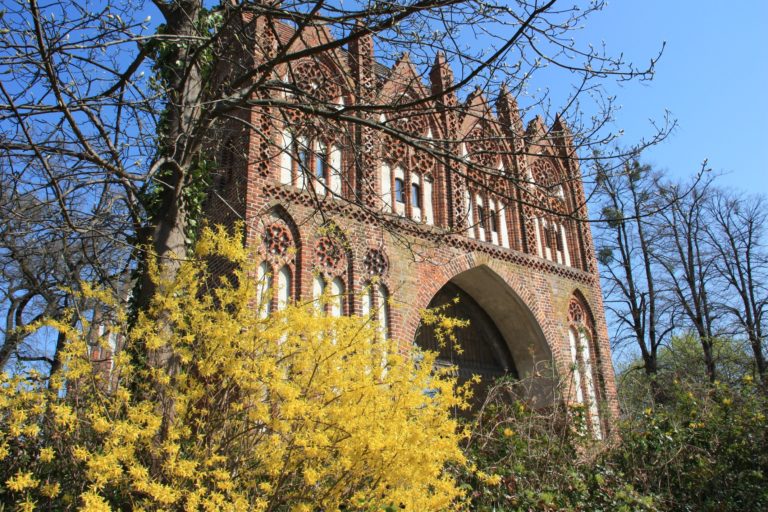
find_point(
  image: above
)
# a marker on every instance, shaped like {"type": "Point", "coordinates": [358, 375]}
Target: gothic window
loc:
{"type": "Point", "coordinates": [302, 163]}
{"type": "Point", "coordinates": [279, 248]}
{"type": "Point", "coordinates": [581, 342]}
{"type": "Point", "coordinates": [321, 164]}
{"type": "Point", "coordinates": [399, 190]}
{"type": "Point", "coordinates": [429, 214]}
{"type": "Point", "coordinates": [337, 297]}
{"type": "Point", "coordinates": [264, 289]}
{"type": "Point", "coordinates": [386, 186]}
{"type": "Point", "coordinates": [415, 195]}
{"type": "Point", "coordinates": [284, 282]}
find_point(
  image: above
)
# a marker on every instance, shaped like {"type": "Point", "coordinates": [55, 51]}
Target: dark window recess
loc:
{"type": "Point", "coordinates": [494, 222]}
{"type": "Point", "coordinates": [559, 239]}
{"type": "Point", "coordinates": [415, 196]}
{"type": "Point", "coordinates": [302, 157]}
{"type": "Point", "coordinates": [399, 190]}
{"type": "Point", "coordinates": [321, 164]}
{"type": "Point", "coordinates": [481, 216]}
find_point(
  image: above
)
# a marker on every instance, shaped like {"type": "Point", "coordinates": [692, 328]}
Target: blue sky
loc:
{"type": "Point", "coordinates": [713, 77]}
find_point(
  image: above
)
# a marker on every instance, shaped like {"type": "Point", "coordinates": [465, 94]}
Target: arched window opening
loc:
{"type": "Point", "coordinates": [385, 172]}
{"type": "Point", "coordinates": [494, 221]}
{"type": "Point", "coordinates": [400, 190]}
{"type": "Point", "coordinates": [429, 214]}
{"type": "Point", "coordinates": [321, 164]}
{"type": "Point", "coordinates": [318, 289]}
{"type": "Point", "coordinates": [337, 297]}
{"type": "Point", "coordinates": [284, 283]}
{"type": "Point", "coordinates": [264, 289]}
{"type": "Point", "coordinates": [584, 373]}
{"type": "Point", "coordinates": [415, 195]}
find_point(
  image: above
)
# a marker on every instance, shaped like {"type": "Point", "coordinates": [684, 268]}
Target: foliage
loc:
{"type": "Point", "coordinates": [681, 360]}
{"type": "Point", "coordinates": [703, 449]}
{"type": "Point", "coordinates": [525, 458]}
{"type": "Point", "coordinates": [295, 411]}
{"type": "Point", "coordinates": [699, 451]}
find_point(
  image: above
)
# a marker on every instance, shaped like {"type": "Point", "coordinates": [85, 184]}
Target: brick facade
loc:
{"type": "Point", "coordinates": [495, 209]}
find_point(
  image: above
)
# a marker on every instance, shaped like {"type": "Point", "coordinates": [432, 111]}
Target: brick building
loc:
{"type": "Point", "coordinates": [381, 185]}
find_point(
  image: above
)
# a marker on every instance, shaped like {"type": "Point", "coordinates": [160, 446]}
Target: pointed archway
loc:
{"type": "Point", "coordinates": [502, 339]}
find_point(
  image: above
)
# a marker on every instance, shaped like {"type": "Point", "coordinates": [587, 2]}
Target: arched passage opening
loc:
{"type": "Point", "coordinates": [503, 337]}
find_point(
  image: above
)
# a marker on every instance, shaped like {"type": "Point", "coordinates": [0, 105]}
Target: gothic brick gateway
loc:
{"type": "Point", "coordinates": [414, 199]}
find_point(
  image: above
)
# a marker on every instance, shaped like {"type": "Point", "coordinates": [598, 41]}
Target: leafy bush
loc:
{"type": "Point", "coordinates": [703, 449]}
{"type": "Point", "coordinates": [522, 458]}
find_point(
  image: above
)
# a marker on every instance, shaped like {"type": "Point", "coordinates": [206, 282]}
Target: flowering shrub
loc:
{"type": "Point", "coordinates": [295, 411]}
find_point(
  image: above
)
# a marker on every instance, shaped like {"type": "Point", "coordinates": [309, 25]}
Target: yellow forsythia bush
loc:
{"type": "Point", "coordinates": [294, 411]}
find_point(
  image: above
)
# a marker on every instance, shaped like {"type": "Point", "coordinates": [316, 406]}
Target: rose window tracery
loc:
{"type": "Point", "coordinates": [482, 149]}
{"type": "Point", "coordinates": [277, 240]}
{"type": "Point", "coordinates": [394, 150]}
{"type": "Point", "coordinates": [412, 123]}
{"type": "Point", "coordinates": [376, 262]}
{"type": "Point", "coordinates": [423, 162]}
{"type": "Point", "coordinates": [329, 256]}
{"type": "Point", "coordinates": [313, 79]}
{"type": "Point", "coordinates": [575, 312]}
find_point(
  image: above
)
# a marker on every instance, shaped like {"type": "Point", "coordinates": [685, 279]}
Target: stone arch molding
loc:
{"type": "Point", "coordinates": [517, 314]}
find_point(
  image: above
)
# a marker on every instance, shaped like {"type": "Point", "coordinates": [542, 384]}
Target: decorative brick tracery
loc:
{"type": "Point", "coordinates": [376, 263]}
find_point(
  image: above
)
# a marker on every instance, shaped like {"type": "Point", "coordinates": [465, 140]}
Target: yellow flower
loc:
{"type": "Point", "coordinates": [46, 455]}
{"type": "Point", "coordinates": [22, 480]}
{"type": "Point", "coordinates": [508, 432]}
{"type": "Point", "coordinates": [50, 490]}
{"type": "Point", "coordinates": [92, 502]}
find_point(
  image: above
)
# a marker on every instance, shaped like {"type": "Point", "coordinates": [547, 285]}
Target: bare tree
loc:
{"type": "Point", "coordinates": [689, 262]}
{"type": "Point", "coordinates": [626, 245]}
{"type": "Point", "coordinates": [41, 264]}
{"type": "Point", "coordinates": [736, 233]}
